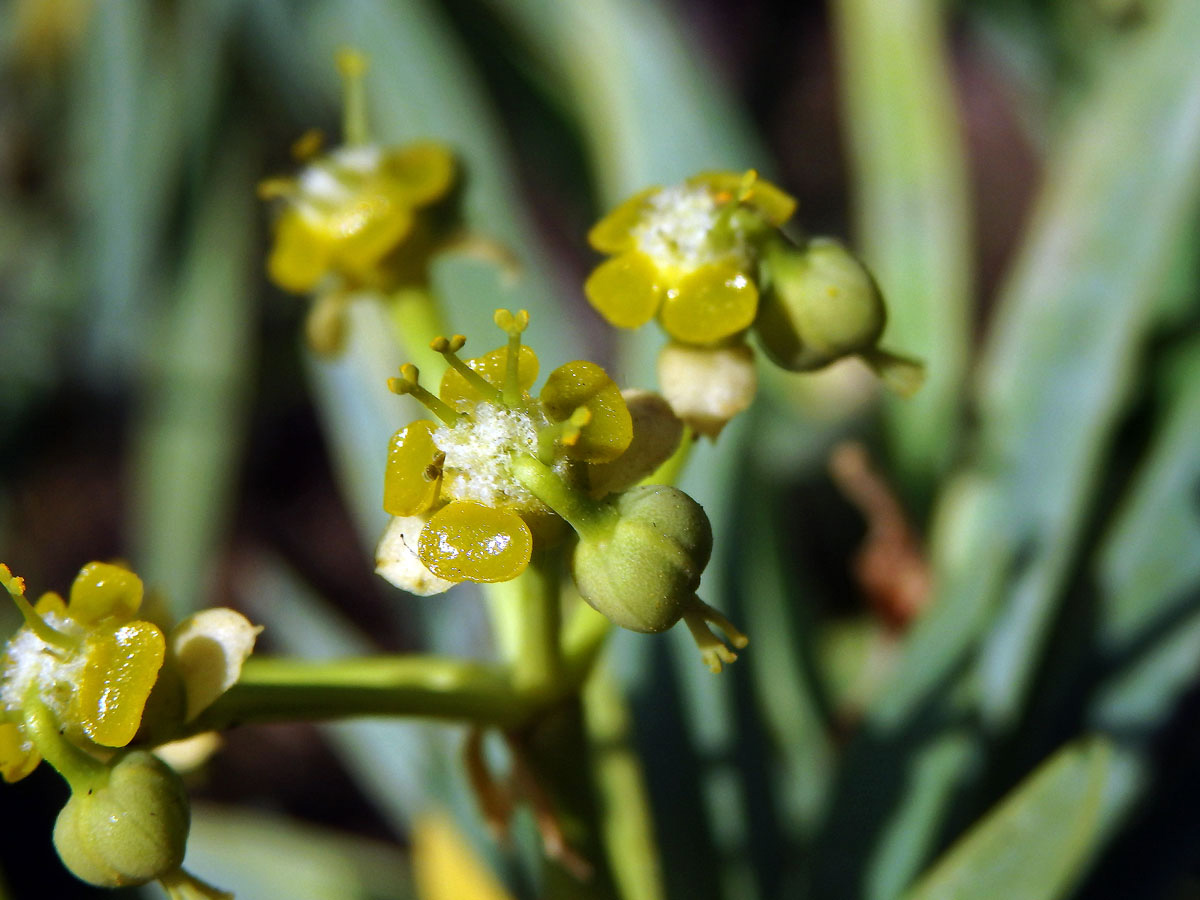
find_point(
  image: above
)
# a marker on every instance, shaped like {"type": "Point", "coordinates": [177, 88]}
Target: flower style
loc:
{"type": "Point", "coordinates": [91, 664]}
{"type": "Point", "coordinates": [461, 512]}
{"type": "Point", "coordinates": [688, 253]}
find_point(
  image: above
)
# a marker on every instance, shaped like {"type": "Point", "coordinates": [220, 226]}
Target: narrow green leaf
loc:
{"type": "Point", "coordinates": [240, 850]}
{"type": "Point", "coordinates": [1148, 575]}
{"type": "Point", "coordinates": [912, 210]}
{"type": "Point", "coordinates": [125, 146]}
{"type": "Point", "coordinates": [1033, 843]}
{"type": "Point", "coordinates": [1071, 320]}
{"type": "Point", "coordinates": [194, 386]}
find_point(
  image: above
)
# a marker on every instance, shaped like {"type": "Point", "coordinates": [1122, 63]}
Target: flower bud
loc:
{"type": "Point", "coordinates": [707, 386]}
{"type": "Point", "coordinates": [128, 831]}
{"type": "Point", "coordinates": [822, 305]}
{"type": "Point", "coordinates": [642, 572]}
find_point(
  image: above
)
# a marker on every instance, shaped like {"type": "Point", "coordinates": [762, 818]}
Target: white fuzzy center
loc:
{"type": "Point", "coordinates": [479, 452]}
{"type": "Point", "coordinates": [676, 229]}
{"type": "Point", "coordinates": [32, 664]}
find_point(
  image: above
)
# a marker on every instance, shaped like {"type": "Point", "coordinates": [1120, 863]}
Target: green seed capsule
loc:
{"type": "Point", "coordinates": [822, 305]}
{"type": "Point", "coordinates": [129, 831]}
{"type": "Point", "coordinates": [642, 573]}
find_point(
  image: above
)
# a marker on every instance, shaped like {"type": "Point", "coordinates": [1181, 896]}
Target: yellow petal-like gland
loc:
{"type": "Point", "coordinates": [608, 432]}
{"type": "Point", "coordinates": [120, 668]}
{"type": "Point", "coordinates": [299, 258]}
{"type": "Point", "coordinates": [773, 204]}
{"type": "Point", "coordinates": [471, 542]}
{"type": "Point", "coordinates": [709, 305]}
{"type": "Point", "coordinates": [656, 434]}
{"type": "Point", "coordinates": [614, 233]}
{"type": "Point", "coordinates": [50, 602]}
{"type": "Point", "coordinates": [18, 756]}
{"type": "Point", "coordinates": [365, 231]}
{"type": "Point", "coordinates": [407, 487]}
{"type": "Point", "coordinates": [626, 290]}
{"type": "Point", "coordinates": [422, 172]}
{"type": "Point", "coordinates": [102, 590]}
{"type": "Point", "coordinates": [459, 393]}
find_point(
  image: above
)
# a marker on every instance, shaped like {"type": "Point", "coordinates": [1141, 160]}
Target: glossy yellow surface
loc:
{"type": "Point", "coordinates": [102, 590]}
{"type": "Point", "coordinates": [711, 304]}
{"type": "Point", "coordinates": [17, 757]}
{"type": "Point", "coordinates": [608, 429]}
{"type": "Point", "coordinates": [626, 289]}
{"type": "Point", "coordinates": [408, 488]}
{"type": "Point", "coordinates": [472, 542]}
{"type": "Point", "coordinates": [120, 668]}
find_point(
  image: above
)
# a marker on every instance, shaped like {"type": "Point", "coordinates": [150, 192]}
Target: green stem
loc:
{"type": "Point", "coordinates": [583, 639]}
{"type": "Point", "coordinates": [538, 666]}
{"type": "Point", "coordinates": [82, 772]}
{"type": "Point", "coordinates": [588, 517]}
{"type": "Point", "coordinates": [272, 690]}
{"type": "Point", "coordinates": [625, 821]}
{"type": "Point", "coordinates": [417, 323]}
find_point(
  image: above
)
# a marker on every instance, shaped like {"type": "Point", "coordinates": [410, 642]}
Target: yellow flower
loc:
{"type": "Point", "coordinates": [92, 664]}
{"type": "Point", "coordinates": [361, 216]}
{"type": "Point", "coordinates": [688, 253]}
{"type": "Point", "coordinates": [461, 513]}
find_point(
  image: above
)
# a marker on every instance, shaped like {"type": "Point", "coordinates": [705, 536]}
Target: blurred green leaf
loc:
{"type": "Point", "coordinates": [1055, 376]}
{"type": "Point", "coordinates": [196, 369]}
{"type": "Point", "coordinates": [1033, 844]}
{"type": "Point", "coordinates": [1147, 633]}
{"type": "Point", "coordinates": [913, 215]}
{"type": "Point", "coordinates": [241, 851]}
{"type": "Point", "coordinates": [1057, 371]}
{"type": "Point", "coordinates": [125, 148]}
{"type": "Point", "coordinates": [1071, 321]}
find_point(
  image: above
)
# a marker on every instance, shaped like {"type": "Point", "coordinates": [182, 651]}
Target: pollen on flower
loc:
{"type": "Point", "coordinates": [479, 452]}
{"type": "Point", "coordinates": [30, 663]}
{"type": "Point", "coordinates": [676, 228]}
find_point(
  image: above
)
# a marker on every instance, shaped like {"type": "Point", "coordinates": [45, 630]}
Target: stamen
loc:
{"type": "Point", "coordinates": [308, 145]}
{"type": "Point", "coordinates": [565, 432]}
{"type": "Point", "coordinates": [449, 350]}
{"type": "Point", "coordinates": [736, 636]}
{"type": "Point", "coordinates": [39, 626]}
{"type": "Point", "coordinates": [746, 188]}
{"type": "Point", "coordinates": [513, 326]}
{"type": "Point", "coordinates": [352, 65]}
{"type": "Point", "coordinates": [408, 383]}
{"type": "Point", "coordinates": [277, 189]}
{"type": "Point", "coordinates": [712, 650]}
{"type": "Point", "coordinates": [730, 204]}
{"type": "Point", "coordinates": [433, 471]}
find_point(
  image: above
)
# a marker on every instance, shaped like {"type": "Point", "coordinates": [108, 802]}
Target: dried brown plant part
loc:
{"type": "Point", "coordinates": [554, 842]}
{"type": "Point", "coordinates": [890, 565]}
{"type": "Point", "coordinates": [496, 801]}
